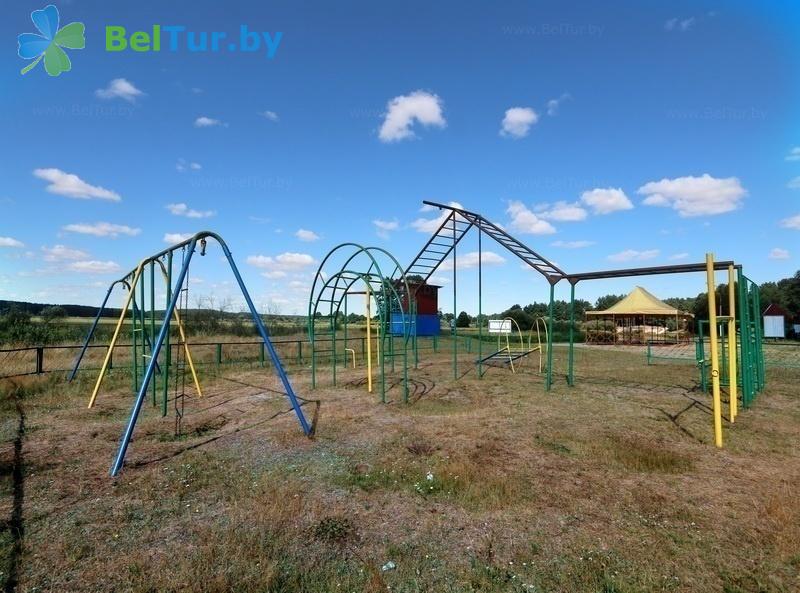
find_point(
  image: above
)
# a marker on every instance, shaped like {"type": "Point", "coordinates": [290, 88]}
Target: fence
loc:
{"type": "Point", "coordinates": [38, 360]}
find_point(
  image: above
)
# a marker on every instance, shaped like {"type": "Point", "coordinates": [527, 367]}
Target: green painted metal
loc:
{"type": "Point", "coordinates": [480, 299]}
{"type": "Point", "coordinates": [453, 328]}
{"type": "Point", "coordinates": [571, 354]}
{"type": "Point", "coordinates": [152, 329]}
{"type": "Point", "coordinates": [550, 313]}
{"type": "Point", "coordinates": [167, 344]}
{"type": "Point", "coordinates": [134, 339]}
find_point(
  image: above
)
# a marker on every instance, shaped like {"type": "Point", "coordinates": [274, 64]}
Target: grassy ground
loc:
{"type": "Point", "coordinates": [478, 485]}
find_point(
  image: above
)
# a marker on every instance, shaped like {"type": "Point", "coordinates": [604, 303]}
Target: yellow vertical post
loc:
{"type": "Point", "coordinates": [732, 374]}
{"type": "Point", "coordinates": [369, 343]}
{"type": "Point", "coordinates": [113, 343]}
{"type": "Point", "coordinates": [712, 335]}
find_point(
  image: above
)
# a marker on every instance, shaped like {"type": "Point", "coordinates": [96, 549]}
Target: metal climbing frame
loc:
{"type": "Point", "coordinates": [174, 292]}
{"type": "Point", "coordinates": [356, 266]}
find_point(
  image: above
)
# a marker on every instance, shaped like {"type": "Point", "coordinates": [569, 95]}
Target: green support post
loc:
{"type": "Point", "coordinates": [455, 308]}
{"type": "Point", "coordinates": [152, 334]}
{"type": "Point", "coordinates": [480, 306]}
{"type": "Point", "coordinates": [134, 347]}
{"type": "Point", "coordinates": [261, 354]}
{"type": "Point", "coordinates": [167, 344]}
{"type": "Point", "coordinates": [219, 356]}
{"type": "Point", "coordinates": [550, 311]}
{"type": "Point", "coordinates": [571, 362]}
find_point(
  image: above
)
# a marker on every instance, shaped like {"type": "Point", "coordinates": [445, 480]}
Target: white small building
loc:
{"type": "Point", "coordinates": [775, 321]}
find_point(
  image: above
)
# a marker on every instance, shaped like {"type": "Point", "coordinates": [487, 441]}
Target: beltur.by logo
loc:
{"type": "Point", "coordinates": [49, 44]}
{"type": "Point", "coordinates": [177, 38]}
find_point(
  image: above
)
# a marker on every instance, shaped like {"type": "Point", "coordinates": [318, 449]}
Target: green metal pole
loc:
{"type": "Point", "coordinates": [455, 312]}
{"type": "Point", "coordinates": [345, 330]}
{"type": "Point", "coordinates": [152, 333]}
{"type": "Point", "coordinates": [480, 305]}
{"type": "Point", "coordinates": [571, 363]}
{"type": "Point", "coordinates": [550, 311]}
{"type": "Point", "coordinates": [134, 343]}
{"type": "Point", "coordinates": [744, 332]}
{"type": "Point", "coordinates": [167, 345]}
{"type": "Point", "coordinates": [760, 338]}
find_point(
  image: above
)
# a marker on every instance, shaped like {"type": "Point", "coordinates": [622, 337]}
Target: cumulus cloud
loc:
{"type": "Point", "coordinates": [120, 88]}
{"type": "Point", "coordinates": [270, 115]}
{"type": "Point", "coordinates": [306, 235]}
{"type": "Point", "coordinates": [172, 238]}
{"type": "Point", "coordinates": [102, 229]}
{"type": "Point", "coordinates": [181, 209]}
{"type": "Point", "coordinates": [384, 227]}
{"type": "Point", "coordinates": [678, 256]}
{"type": "Point", "coordinates": [524, 220]}
{"type": "Point", "coordinates": [794, 183]}
{"type": "Point", "coordinates": [695, 196]}
{"type": "Point", "coordinates": [470, 260]}
{"type": "Point", "coordinates": [572, 244]}
{"type": "Point", "coordinates": [794, 154]}
{"type": "Point", "coordinates": [778, 253]}
{"type": "Point", "coordinates": [182, 165]}
{"type": "Point", "coordinates": [403, 111]}
{"type": "Point", "coordinates": [563, 212]}
{"type": "Point", "coordinates": [10, 242]}
{"type": "Point", "coordinates": [207, 122]}
{"type": "Point", "coordinates": [606, 200]}
{"type": "Point", "coordinates": [682, 25]}
{"type": "Point", "coordinates": [280, 265]}
{"type": "Point", "coordinates": [93, 267]}
{"type": "Point", "coordinates": [431, 225]}
{"type": "Point", "coordinates": [518, 121]}
{"type": "Point", "coordinates": [634, 255]}
{"type": "Point", "coordinates": [62, 253]}
{"type": "Point", "coordinates": [72, 186]}
{"type": "Point", "coordinates": [554, 104]}
{"type": "Point", "coordinates": [793, 222]}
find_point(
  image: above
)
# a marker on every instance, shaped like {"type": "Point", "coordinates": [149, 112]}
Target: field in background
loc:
{"type": "Point", "coordinates": [478, 485]}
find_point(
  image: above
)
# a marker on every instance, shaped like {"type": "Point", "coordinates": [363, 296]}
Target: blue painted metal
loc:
{"type": "Point", "coordinates": [148, 375]}
{"type": "Point", "coordinates": [419, 325]}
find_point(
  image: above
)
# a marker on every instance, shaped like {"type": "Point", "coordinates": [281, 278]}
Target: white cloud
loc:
{"type": "Point", "coordinates": [93, 267]}
{"type": "Point", "coordinates": [182, 165]}
{"type": "Point", "coordinates": [470, 260]}
{"type": "Point", "coordinates": [181, 209]}
{"type": "Point", "coordinates": [120, 88]}
{"type": "Point", "coordinates": [102, 229]}
{"type": "Point", "coordinates": [306, 235]}
{"type": "Point", "coordinates": [695, 196]}
{"type": "Point", "coordinates": [403, 111]}
{"type": "Point", "coordinates": [554, 104]}
{"type": "Point", "coordinates": [778, 253]}
{"type": "Point", "coordinates": [794, 183]}
{"type": "Point", "coordinates": [563, 212]}
{"type": "Point", "coordinates": [683, 25]}
{"type": "Point", "coordinates": [523, 220]}
{"type": "Point", "coordinates": [72, 186]}
{"type": "Point", "coordinates": [62, 253]}
{"type": "Point", "coordinates": [794, 154]}
{"type": "Point", "coordinates": [280, 265]}
{"type": "Point", "coordinates": [207, 122]}
{"type": "Point", "coordinates": [606, 200]}
{"type": "Point", "coordinates": [9, 242]}
{"type": "Point", "coordinates": [793, 222]}
{"type": "Point", "coordinates": [172, 238]}
{"type": "Point", "coordinates": [431, 225]}
{"type": "Point", "coordinates": [634, 255]}
{"type": "Point", "coordinates": [679, 256]}
{"type": "Point", "coordinates": [384, 227]}
{"type": "Point", "coordinates": [270, 115]}
{"type": "Point", "coordinates": [517, 122]}
{"type": "Point", "coordinates": [572, 244]}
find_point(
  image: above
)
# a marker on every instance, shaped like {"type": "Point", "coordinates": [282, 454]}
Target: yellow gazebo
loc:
{"type": "Point", "coordinates": [637, 319]}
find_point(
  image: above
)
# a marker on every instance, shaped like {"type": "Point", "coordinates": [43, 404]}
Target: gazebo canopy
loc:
{"type": "Point", "coordinates": [641, 302]}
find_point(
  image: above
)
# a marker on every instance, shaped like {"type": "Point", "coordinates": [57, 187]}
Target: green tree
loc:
{"type": "Point", "coordinates": [608, 300]}
{"type": "Point", "coordinates": [53, 313]}
{"type": "Point", "coordinates": [463, 319]}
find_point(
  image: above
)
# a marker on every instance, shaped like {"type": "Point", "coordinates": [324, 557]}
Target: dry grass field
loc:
{"type": "Point", "coordinates": [477, 485]}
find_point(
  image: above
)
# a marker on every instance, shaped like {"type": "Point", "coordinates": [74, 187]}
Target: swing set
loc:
{"type": "Point", "coordinates": [154, 348]}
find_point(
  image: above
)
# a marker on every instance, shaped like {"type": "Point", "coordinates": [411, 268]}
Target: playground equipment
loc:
{"type": "Point", "coordinates": [177, 294]}
{"type": "Point", "coordinates": [457, 222]}
{"type": "Point", "coordinates": [508, 354]}
{"type": "Point", "coordinates": [346, 268]}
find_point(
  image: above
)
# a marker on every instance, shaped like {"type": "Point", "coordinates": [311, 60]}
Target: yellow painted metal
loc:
{"type": "Point", "coordinates": [732, 374]}
{"type": "Point", "coordinates": [353, 353]}
{"type": "Point", "coordinates": [369, 341]}
{"type": "Point", "coordinates": [113, 343]}
{"type": "Point", "coordinates": [712, 334]}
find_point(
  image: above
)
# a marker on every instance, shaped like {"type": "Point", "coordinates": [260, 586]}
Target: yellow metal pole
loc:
{"type": "Point", "coordinates": [733, 391]}
{"type": "Point", "coordinates": [113, 343]}
{"type": "Point", "coordinates": [369, 344]}
{"type": "Point", "coordinates": [712, 334]}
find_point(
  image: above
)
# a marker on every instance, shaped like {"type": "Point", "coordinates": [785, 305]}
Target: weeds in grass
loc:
{"type": "Point", "coordinates": [639, 455]}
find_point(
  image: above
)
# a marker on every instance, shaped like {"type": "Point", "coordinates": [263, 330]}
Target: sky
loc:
{"type": "Point", "coordinates": [603, 135]}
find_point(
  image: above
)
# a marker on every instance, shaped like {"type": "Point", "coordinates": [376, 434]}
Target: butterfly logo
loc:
{"type": "Point", "coordinates": [50, 42]}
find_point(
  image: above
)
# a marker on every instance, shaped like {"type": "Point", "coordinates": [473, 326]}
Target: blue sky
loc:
{"type": "Point", "coordinates": [601, 134]}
